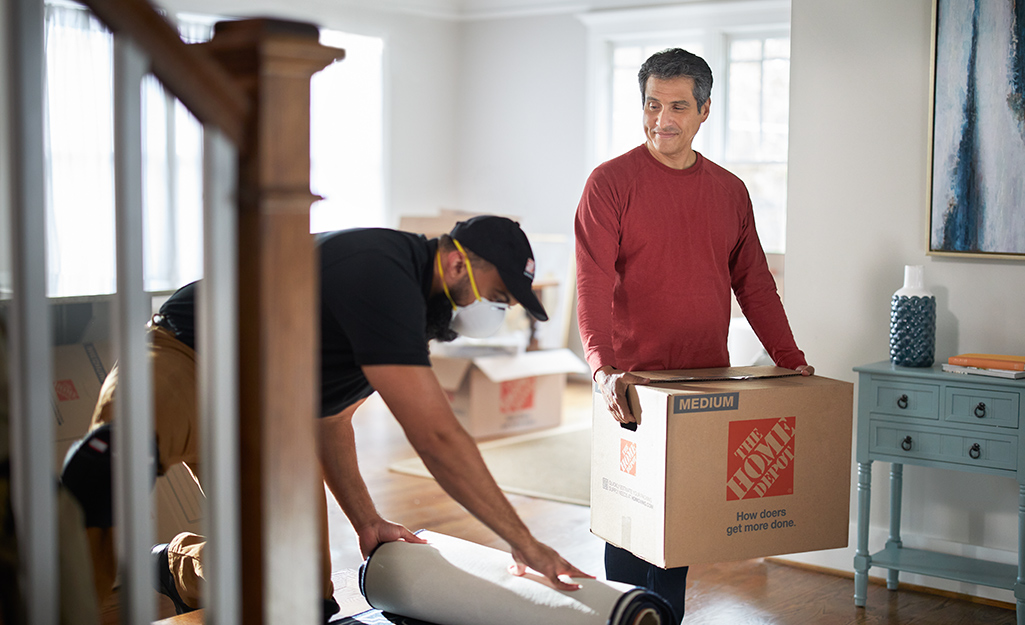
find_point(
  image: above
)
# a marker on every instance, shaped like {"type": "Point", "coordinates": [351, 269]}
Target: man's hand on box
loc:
{"type": "Point", "coordinates": [614, 385]}
{"type": "Point", "coordinates": [806, 370]}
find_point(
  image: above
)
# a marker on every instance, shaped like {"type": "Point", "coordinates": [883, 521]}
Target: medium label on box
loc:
{"type": "Point", "coordinates": [761, 458]}
{"type": "Point", "coordinates": [706, 403]}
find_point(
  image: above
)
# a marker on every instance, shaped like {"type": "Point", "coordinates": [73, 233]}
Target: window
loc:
{"type": "Point", "coordinates": [346, 155]}
{"type": "Point", "coordinates": [747, 45]}
{"type": "Point", "coordinates": [80, 165]}
{"type": "Point", "coordinates": [346, 144]}
{"type": "Point", "coordinates": [757, 123]}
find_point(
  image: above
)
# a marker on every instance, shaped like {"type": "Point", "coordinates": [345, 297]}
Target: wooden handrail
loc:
{"type": "Point", "coordinates": [190, 74]}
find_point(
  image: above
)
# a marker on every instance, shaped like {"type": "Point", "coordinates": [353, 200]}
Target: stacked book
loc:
{"type": "Point", "coordinates": [994, 365]}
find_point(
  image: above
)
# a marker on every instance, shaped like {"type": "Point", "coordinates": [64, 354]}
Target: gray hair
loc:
{"type": "Point", "coordinates": [677, 63]}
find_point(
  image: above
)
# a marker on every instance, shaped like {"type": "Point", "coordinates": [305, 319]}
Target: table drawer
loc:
{"type": "Point", "coordinates": [905, 399]}
{"type": "Point", "coordinates": [981, 407]}
{"type": "Point", "coordinates": [980, 449]}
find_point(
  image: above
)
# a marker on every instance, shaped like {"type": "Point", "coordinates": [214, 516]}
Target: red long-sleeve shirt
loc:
{"type": "Point", "coordinates": [658, 251]}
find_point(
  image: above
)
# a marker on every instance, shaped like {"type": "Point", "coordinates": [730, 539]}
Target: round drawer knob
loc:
{"type": "Point", "coordinates": [906, 443]}
{"type": "Point", "coordinates": [980, 410]}
{"type": "Point", "coordinates": [975, 452]}
{"type": "Point", "coordinates": [902, 402]}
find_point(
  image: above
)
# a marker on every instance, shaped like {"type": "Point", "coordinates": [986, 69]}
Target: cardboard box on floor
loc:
{"type": "Point", "coordinates": [722, 470]}
{"type": "Point", "coordinates": [506, 394]}
{"type": "Point", "coordinates": [78, 374]}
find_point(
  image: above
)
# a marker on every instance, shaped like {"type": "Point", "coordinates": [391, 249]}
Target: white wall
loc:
{"type": "Point", "coordinates": [521, 139]}
{"type": "Point", "coordinates": [858, 213]}
{"type": "Point", "coordinates": [521, 119]}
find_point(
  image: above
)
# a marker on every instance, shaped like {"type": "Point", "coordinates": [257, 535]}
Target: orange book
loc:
{"type": "Point", "coordinates": [989, 361]}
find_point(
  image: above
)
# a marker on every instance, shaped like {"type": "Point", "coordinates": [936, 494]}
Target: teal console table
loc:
{"type": "Point", "coordinates": [930, 418]}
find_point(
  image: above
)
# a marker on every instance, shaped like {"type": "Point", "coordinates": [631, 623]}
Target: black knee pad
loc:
{"type": "Point", "coordinates": [86, 475]}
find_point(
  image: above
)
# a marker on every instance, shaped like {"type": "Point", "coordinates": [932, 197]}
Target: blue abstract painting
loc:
{"type": "Point", "coordinates": [978, 151]}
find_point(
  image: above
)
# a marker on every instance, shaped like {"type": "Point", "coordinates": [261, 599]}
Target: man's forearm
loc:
{"type": "Point", "coordinates": [337, 447]}
{"type": "Point", "coordinates": [418, 403]}
{"type": "Point", "coordinates": [454, 460]}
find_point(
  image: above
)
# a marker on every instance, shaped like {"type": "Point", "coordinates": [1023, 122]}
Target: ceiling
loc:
{"type": "Point", "coordinates": [487, 9]}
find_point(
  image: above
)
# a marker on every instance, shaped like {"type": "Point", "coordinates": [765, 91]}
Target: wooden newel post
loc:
{"type": "Point", "coordinates": [281, 487]}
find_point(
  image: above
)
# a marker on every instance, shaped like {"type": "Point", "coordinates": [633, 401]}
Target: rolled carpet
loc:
{"type": "Point", "coordinates": [450, 581]}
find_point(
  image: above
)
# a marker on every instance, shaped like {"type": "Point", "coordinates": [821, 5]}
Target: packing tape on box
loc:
{"type": "Point", "coordinates": [450, 581]}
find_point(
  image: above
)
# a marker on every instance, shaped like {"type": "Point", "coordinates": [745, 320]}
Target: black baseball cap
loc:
{"type": "Point", "coordinates": [501, 242]}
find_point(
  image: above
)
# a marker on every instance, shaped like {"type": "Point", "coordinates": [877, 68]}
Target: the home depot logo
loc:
{"type": "Point", "coordinates": [627, 456]}
{"type": "Point", "coordinates": [65, 390]}
{"type": "Point", "coordinates": [516, 395]}
{"type": "Point", "coordinates": [761, 458]}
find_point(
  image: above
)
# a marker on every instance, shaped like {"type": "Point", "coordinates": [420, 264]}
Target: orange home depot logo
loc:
{"type": "Point", "coordinates": [761, 458]}
{"type": "Point", "coordinates": [627, 456]}
{"type": "Point", "coordinates": [65, 390]}
{"type": "Point", "coordinates": [516, 395]}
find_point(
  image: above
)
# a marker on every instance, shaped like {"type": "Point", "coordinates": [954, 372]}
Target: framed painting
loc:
{"type": "Point", "coordinates": [977, 157]}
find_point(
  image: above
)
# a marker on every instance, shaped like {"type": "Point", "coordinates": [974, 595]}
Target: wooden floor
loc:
{"type": "Point", "coordinates": [755, 592]}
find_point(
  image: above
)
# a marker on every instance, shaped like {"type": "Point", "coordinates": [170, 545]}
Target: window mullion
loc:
{"type": "Point", "coordinates": [717, 57]}
{"type": "Point", "coordinates": [171, 163]}
{"type": "Point", "coordinates": [761, 101]}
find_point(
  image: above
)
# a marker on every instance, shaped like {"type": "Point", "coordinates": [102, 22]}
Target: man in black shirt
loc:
{"type": "Point", "coordinates": [384, 295]}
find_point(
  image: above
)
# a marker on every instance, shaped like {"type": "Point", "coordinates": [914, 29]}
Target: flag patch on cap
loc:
{"type": "Point", "coordinates": [529, 269]}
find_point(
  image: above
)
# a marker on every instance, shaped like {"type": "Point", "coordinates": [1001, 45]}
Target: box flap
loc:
{"type": "Point", "coordinates": [450, 371]}
{"type": "Point", "coordinates": [529, 364]}
{"type": "Point", "coordinates": [716, 374]}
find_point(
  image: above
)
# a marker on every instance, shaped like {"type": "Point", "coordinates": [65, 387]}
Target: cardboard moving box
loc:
{"type": "Point", "coordinates": [78, 374]}
{"type": "Point", "coordinates": [725, 469]}
{"type": "Point", "coordinates": [497, 395]}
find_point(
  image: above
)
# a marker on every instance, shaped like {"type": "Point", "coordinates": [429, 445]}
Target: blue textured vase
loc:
{"type": "Point", "coordinates": [913, 322]}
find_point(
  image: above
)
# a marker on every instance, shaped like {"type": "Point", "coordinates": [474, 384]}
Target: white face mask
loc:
{"type": "Point", "coordinates": [480, 319]}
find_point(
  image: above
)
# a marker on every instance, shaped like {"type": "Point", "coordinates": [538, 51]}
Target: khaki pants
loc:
{"type": "Point", "coordinates": [176, 426]}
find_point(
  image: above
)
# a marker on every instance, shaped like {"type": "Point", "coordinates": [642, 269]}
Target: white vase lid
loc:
{"type": "Point", "coordinates": [914, 282]}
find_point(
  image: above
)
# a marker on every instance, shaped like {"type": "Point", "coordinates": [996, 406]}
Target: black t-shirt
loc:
{"type": "Point", "coordinates": [373, 307]}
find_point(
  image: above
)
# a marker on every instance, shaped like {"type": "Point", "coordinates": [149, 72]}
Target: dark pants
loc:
{"type": "Point", "coordinates": [670, 584]}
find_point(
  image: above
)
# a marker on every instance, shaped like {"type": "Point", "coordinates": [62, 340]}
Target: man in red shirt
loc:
{"type": "Point", "coordinates": [664, 235]}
